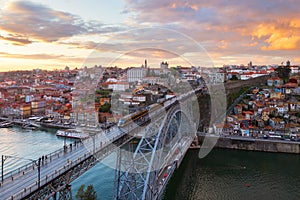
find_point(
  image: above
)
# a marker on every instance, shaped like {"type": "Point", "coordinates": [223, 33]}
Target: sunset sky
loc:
{"type": "Point", "coordinates": [49, 34]}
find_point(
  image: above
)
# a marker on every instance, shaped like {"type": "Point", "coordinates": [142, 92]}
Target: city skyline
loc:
{"type": "Point", "coordinates": [52, 34]}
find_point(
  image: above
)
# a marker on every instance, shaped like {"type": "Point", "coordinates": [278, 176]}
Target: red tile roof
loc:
{"type": "Point", "coordinates": [290, 85]}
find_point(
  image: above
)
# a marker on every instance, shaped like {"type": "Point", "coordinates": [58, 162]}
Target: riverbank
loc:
{"type": "Point", "coordinates": [253, 144]}
{"type": "Point", "coordinates": [36, 123]}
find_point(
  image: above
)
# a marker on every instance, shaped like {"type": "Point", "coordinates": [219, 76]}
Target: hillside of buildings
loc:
{"type": "Point", "coordinates": [88, 97]}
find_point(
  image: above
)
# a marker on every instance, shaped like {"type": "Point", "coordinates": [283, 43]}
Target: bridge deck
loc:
{"type": "Point", "coordinates": [18, 185]}
{"type": "Point", "coordinates": [25, 181]}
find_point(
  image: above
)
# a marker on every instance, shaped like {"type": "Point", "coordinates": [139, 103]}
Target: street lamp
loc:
{"type": "Point", "coordinates": [2, 166]}
{"type": "Point", "coordinates": [65, 140]}
{"type": "Point", "coordinates": [36, 162]}
{"type": "Point", "coordinates": [66, 134]}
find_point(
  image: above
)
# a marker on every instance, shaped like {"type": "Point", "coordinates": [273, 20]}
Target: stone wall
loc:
{"type": "Point", "coordinates": [235, 86]}
{"type": "Point", "coordinates": [277, 146]}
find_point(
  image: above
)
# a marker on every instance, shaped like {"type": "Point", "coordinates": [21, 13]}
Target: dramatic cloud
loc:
{"type": "Point", "coordinates": [232, 28]}
{"type": "Point", "coordinates": [148, 43]}
{"type": "Point", "coordinates": [230, 31]}
{"type": "Point", "coordinates": [219, 19]}
{"type": "Point", "coordinates": [36, 56]}
{"type": "Point", "coordinates": [16, 39]}
{"type": "Point", "coordinates": [213, 12]}
{"type": "Point", "coordinates": [279, 36]}
{"type": "Point", "coordinates": [36, 21]}
{"type": "Point", "coordinates": [150, 38]}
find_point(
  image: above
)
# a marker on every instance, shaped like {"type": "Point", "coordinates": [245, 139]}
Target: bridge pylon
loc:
{"type": "Point", "coordinates": [140, 172]}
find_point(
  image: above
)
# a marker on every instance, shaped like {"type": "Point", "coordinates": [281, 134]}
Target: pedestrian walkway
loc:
{"type": "Point", "coordinates": [23, 181]}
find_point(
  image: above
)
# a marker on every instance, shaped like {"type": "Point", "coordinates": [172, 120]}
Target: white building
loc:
{"type": "Point", "coordinates": [139, 98]}
{"type": "Point", "coordinates": [119, 86]}
{"type": "Point", "coordinates": [136, 74]}
{"type": "Point", "coordinates": [246, 76]}
{"type": "Point", "coordinates": [258, 74]}
{"type": "Point", "coordinates": [294, 69]}
{"type": "Point", "coordinates": [92, 118]}
{"type": "Point", "coordinates": [215, 78]}
{"type": "Point", "coordinates": [164, 65]}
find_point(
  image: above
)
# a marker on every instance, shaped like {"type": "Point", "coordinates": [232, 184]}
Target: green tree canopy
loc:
{"type": "Point", "coordinates": [88, 194]}
{"type": "Point", "coordinates": [105, 108]}
{"type": "Point", "coordinates": [234, 78]}
{"type": "Point", "coordinates": [80, 193]}
{"type": "Point", "coordinates": [103, 92]}
{"type": "Point", "coordinates": [283, 72]}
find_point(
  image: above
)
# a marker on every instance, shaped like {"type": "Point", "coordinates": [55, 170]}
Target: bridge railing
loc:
{"type": "Point", "coordinates": [29, 167]}
{"type": "Point", "coordinates": [19, 170]}
{"type": "Point", "coordinates": [32, 165]}
{"type": "Point", "coordinates": [48, 178]}
{"type": "Point", "coordinates": [108, 146]}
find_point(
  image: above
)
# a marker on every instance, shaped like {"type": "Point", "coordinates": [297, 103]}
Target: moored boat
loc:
{"type": "Point", "coordinates": [6, 125]}
{"type": "Point", "coordinates": [71, 133]}
{"type": "Point", "coordinates": [29, 126]}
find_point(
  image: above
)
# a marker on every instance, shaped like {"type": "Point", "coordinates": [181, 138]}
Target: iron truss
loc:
{"type": "Point", "coordinates": [60, 187]}
{"type": "Point", "coordinates": [137, 177]}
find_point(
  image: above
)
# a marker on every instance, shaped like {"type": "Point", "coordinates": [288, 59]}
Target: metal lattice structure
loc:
{"type": "Point", "coordinates": [60, 187]}
{"type": "Point", "coordinates": [171, 129]}
{"type": "Point", "coordinates": [138, 172]}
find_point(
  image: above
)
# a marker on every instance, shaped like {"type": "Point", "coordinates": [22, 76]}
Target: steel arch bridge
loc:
{"type": "Point", "coordinates": [139, 172]}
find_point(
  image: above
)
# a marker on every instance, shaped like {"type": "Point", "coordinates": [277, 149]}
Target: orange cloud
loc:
{"type": "Point", "coordinates": [295, 23]}
{"type": "Point", "coordinates": [282, 43]}
{"type": "Point", "coordinates": [223, 44]}
{"type": "Point", "coordinates": [40, 57]}
{"type": "Point", "coordinates": [263, 30]}
{"type": "Point", "coordinates": [296, 60]}
{"type": "Point", "coordinates": [279, 36]}
{"type": "Point", "coordinates": [250, 44]}
{"type": "Point", "coordinates": [173, 5]}
{"type": "Point", "coordinates": [192, 6]}
{"type": "Point", "coordinates": [152, 53]}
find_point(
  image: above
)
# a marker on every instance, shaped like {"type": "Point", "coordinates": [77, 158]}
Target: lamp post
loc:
{"type": "Point", "coordinates": [36, 162]}
{"type": "Point", "coordinates": [2, 166]}
{"type": "Point", "coordinates": [66, 134]}
{"type": "Point", "coordinates": [65, 140]}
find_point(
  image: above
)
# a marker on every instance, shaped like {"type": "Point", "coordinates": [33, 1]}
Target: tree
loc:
{"type": "Point", "coordinates": [174, 71]}
{"type": "Point", "coordinates": [283, 72]}
{"type": "Point", "coordinates": [80, 193]}
{"type": "Point", "coordinates": [88, 194]}
{"type": "Point", "coordinates": [234, 77]}
{"type": "Point", "coordinates": [105, 108]}
{"type": "Point", "coordinates": [103, 92]}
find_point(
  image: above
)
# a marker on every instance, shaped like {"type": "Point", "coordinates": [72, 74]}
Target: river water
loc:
{"type": "Point", "coordinates": [232, 174]}
{"type": "Point", "coordinates": [26, 144]}
{"type": "Point", "coordinates": [223, 174]}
